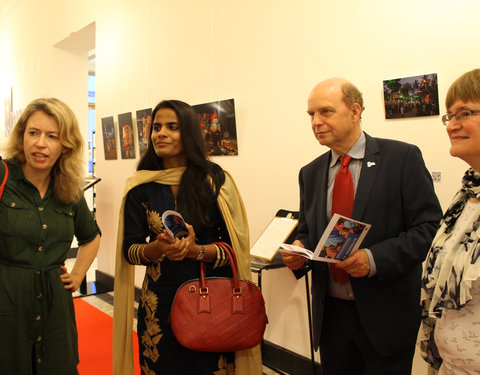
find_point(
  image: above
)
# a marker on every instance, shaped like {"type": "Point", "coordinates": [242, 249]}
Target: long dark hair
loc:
{"type": "Point", "coordinates": [196, 194]}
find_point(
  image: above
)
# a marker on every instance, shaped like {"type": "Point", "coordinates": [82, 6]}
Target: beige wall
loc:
{"type": "Point", "coordinates": [266, 55]}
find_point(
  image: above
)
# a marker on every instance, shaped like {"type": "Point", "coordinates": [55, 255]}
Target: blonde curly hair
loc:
{"type": "Point", "coordinates": [67, 173]}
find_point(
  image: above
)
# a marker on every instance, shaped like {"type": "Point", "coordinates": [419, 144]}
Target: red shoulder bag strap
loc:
{"type": "Point", "coordinates": [4, 179]}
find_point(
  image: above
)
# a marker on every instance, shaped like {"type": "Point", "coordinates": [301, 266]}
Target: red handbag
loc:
{"type": "Point", "coordinates": [218, 314]}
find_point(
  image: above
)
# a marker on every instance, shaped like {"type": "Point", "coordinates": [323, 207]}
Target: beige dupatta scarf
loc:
{"type": "Point", "coordinates": [247, 362]}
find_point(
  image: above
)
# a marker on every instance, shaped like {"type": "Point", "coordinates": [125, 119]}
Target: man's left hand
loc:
{"type": "Point", "coordinates": [356, 265]}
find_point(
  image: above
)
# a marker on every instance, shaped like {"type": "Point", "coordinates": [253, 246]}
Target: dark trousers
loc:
{"type": "Point", "coordinates": [345, 349]}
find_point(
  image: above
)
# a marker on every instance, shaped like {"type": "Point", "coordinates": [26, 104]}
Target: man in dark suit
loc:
{"type": "Point", "coordinates": [367, 323]}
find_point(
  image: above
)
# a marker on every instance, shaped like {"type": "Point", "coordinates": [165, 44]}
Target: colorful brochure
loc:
{"type": "Point", "coordinates": [342, 237]}
{"type": "Point", "coordinates": [174, 224]}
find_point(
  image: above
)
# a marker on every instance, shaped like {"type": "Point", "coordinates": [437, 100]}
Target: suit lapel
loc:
{"type": "Point", "coordinates": [368, 174]}
{"type": "Point", "coordinates": [322, 198]}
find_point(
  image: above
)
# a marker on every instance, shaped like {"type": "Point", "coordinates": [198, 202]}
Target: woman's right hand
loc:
{"type": "Point", "coordinates": [174, 249]}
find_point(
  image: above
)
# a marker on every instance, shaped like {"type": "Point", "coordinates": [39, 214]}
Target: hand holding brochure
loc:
{"type": "Point", "coordinates": [342, 237]}
{"type": "Point", "coordinates": [297, 250]}
{"type": "Point", "coordinates": [174, 224]}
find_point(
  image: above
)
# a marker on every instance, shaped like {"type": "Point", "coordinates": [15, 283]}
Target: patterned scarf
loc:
{"type": "Point", "coordinates": [448, 275]}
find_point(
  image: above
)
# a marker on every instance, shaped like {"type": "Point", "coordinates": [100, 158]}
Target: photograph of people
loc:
{"type": "Point", "coordinates": [332, 245]}
{"type": "Point", "coordinates": [42, 208]}
{"type": "Point", "coordinates": [362, 302]}
{"type": "Point", "coordinates": [450, 331]}
{"type": "Point", "coordinates": [175, 174]}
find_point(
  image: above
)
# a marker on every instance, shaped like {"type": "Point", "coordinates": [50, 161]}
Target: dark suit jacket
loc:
{"type": "Point", "coordinates": [396, 196]}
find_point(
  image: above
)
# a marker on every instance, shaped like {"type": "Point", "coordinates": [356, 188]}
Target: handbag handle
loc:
{"type": "Point", "coordinates": [237, 290]}
{"type": "Point", "coordinates": [4, 178]}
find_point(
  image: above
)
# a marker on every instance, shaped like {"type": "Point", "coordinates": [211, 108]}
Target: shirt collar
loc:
{"type": "Point", "coordinates": [15, 172]}
{"type": "Point", "coordinates": [356, 152]}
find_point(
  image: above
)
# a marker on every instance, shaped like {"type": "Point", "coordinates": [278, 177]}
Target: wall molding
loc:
{"type": "Point", "coordinates": [287, 362]}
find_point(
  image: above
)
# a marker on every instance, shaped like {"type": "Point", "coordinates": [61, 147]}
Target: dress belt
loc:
{"type": "Point", "coordinates": [45, 285]}
{"type": "Point", "coordinates": [45, 292]}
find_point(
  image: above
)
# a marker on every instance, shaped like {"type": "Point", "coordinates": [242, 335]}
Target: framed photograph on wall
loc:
{"type": "Point", "coordinates": [144, 119]}
{"type": "Point", "coordinates": [11, 116]}
{"type": "Point", "coordinates": [411, 96]}
{"type": "Point", "coordinates": [219, 127]}
{"type": "Point", "coordinates": [109, 141]}
{"type": "Point", "coordinates": [127, 143]}
{"type": "Point", "coordinates": [7, 104]}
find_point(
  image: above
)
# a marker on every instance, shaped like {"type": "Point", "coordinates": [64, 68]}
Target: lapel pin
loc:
{"type": "Point", "coordinates": [370, 164]}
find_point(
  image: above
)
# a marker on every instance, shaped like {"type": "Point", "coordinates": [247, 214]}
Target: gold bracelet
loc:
{"type": "Point", "coordinates": [218, 259]}
{"type": "Point", "coordinates": [144, 256]}
{"type": "Point", "coordinates": [201, 254]}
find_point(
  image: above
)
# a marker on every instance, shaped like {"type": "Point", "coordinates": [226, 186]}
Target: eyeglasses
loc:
{"type": "Point", "coordinates": [460, 115]}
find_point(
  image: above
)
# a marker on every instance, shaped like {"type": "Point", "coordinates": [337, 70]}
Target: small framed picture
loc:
{"type": "Point", "coordinates": [109, 141]}
{"type": "Point", "coordinates": [127, 143]}
{"type": "Point", "coordinates": [217, 120]}
{"type": "Point", "coordinates": [144, 120]}
{"type": "Point", "coordinates": [411, 96]}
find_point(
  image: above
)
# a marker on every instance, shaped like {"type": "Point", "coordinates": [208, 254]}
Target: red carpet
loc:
{"type": "Point", "coordinates": [95, 340]}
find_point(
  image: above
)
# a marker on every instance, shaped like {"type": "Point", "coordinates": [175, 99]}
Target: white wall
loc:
{"type": "Point", "coordinates": [267, 55]}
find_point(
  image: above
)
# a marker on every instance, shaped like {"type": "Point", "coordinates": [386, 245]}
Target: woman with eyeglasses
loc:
{"type": "Point", "coordinates": [450, 333]}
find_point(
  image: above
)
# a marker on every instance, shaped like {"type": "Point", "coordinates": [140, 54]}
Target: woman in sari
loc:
{"type": "Point", "coordinates": [175, 174]}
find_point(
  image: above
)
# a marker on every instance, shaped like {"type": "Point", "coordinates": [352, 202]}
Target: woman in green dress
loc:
{"type": "Point", "coordinates": [41, 209]}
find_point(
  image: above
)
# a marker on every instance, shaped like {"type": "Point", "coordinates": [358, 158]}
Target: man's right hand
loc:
{"type": "Point", "coordinates": [292, 261]}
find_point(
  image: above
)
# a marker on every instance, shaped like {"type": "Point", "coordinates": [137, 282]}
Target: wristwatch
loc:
{"type": "Point", "coordinates": [201, 254]}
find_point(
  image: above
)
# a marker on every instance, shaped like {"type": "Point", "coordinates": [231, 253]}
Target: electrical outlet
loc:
{"type": "Point", "coordinates": [437, 176]}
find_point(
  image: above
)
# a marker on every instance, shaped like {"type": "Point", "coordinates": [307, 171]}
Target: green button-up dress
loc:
{"type": "Point", "coordinates": [38, 334]}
